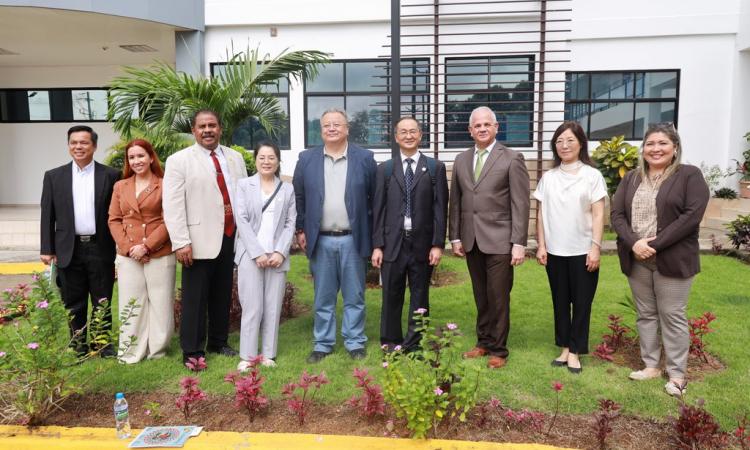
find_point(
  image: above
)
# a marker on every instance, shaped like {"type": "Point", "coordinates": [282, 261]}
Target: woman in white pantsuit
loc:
{"type": "Point", "coordinates": [265, 215]}
{"type": "Point", "coordinates": [145, 262]}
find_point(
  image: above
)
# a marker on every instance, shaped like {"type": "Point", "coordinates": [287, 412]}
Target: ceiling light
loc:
{"type": "Point", "coordinates": [138, 48]}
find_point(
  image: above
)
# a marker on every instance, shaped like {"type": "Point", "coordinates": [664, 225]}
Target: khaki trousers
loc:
{"type": "Point", "coordinates": [661, 303]}
{"type": "Point", "coordinates": [152, 285]}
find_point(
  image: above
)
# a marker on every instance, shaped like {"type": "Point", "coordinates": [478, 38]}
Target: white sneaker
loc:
{"type": "Point", "coordinates": [268, 362]}
{"type": "Point", "coordinates": [644, 374]}
{"type": "Point", "coordinates": [674, 389]}
{"type": "Point", "coordinates": [243, 366]}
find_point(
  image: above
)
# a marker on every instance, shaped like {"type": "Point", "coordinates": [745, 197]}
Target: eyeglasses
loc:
{"type": "Point", "coordinates": [335, 126]}
{"type": "Point", "coordinates": [569, 142]}
{"type": "Point", "coordinates": [408, 132]}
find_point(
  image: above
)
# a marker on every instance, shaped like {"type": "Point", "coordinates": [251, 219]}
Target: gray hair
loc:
{"type": "Point", "coordinates": [668, 129]}
{"type": "Point", "coordinates": [335, 111]}
{"type": "Point", "coordinates": [481, 109]}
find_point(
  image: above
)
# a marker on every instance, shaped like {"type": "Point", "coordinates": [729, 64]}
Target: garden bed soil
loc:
{"type": "Point", "coordinates": [629, 355]}
{"type": "Point", "coordinates": [217, 413]}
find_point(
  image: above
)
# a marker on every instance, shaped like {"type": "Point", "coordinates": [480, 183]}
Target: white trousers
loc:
{"type": "Point", "coordinates": [152, 286]}
{"type": "Point", "coordinates": [261, 294]}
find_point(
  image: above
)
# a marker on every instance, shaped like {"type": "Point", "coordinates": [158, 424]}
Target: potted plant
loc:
{"type": "Point", "coordinates": [743, 169]}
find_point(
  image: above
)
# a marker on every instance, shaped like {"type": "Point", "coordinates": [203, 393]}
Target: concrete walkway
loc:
{"type": "Point", "coordinates": [44, 438]}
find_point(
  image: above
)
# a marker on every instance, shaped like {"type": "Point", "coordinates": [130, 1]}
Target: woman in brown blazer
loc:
{"type": "Point", "coordinates": [656, 213]}
{"type": "Point", "coordinates": [145, 262]}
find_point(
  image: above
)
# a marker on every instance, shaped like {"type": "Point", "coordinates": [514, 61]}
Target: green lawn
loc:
{"type": "Point", "coordinates": [722, 288]}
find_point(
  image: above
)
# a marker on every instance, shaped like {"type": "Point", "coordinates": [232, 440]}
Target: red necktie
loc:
{"type": "Point", "coordinates": [228, 216]}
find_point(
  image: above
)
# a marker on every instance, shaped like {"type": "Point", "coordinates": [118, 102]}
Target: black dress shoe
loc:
{"type": "Point", "coordinates": [316, 357]}
{"type": "Point", "coordinates": [107, 352]}
{"type": "Point", "coordinates": [225, 351]}
{"type": "Point", "coordinates": [575, 370]}
{"type": "Point", "coordinates": [556, 363]}
{"type": "Point", "coordinates": [358, 353]}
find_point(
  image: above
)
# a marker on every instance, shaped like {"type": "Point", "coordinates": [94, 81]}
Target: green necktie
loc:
{"type": "Point", "coordinates": [479, 164]}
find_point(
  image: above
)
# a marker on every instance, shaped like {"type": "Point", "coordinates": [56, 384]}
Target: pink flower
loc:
{"type": "Point", "coordinates": [32, 345]}
{"type": "Point", "coordinates": [385, 364]}
{"type": "Point", "coordinates": [42, 305]}
{"type": "Point", "coordinates": [397, 348]}
{"type": "Point", "coordinates": [557, 386]}
{"type": "Point", "coordinates": [2, 354]}
{"type": "Point", "coordinates": [147, 412]}
{"type": "Point", "coordinates": [420, 311]}
{"type": "Point", "coordinates": [35, 277]}
{"type": "Point", "coordinates": [438, 391]}
{"type": "Point", "coordinates": [451, 326]}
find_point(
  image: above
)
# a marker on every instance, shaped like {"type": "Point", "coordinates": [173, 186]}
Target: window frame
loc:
{"type": "Point", "coordinates": [278, 96]}
{"type": "Point", "coordinates": [490, 61]}
{"type": "Point", "coordinates": [51, 109]}
{"type": "Point", "coordinates": [384, 92]}
{"type": "Point", "coordinates": [635, 101]}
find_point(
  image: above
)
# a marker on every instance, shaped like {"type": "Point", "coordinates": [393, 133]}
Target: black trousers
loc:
{"type": "Point", "coordinates": [492, 281]}
{"type": "Point", "coordinates": [573, 288]}
{"type": "Point", "coordinates": [207, 293]}
{"type": "Point", "coordinates": [417, 269]}
{"type": "Point", "coordinates": [89, 275]}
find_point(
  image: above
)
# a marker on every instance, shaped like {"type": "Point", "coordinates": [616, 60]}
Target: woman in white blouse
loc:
{"type": "Point", "coordinates": [570, 222]}
{"type": "Point", "coordinates": [265, 214]}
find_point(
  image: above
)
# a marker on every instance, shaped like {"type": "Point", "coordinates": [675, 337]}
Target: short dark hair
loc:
{"type": "Point", "coordinates": [578, 132]}
{"type": "Point", "coordinates": [204, 111]}
{"type": "Point", "coordinates": [86, 128]}
{"type": "Point", "coordinates": [419, 125]}
{"type": "Point", "coordinates": [275, 148]}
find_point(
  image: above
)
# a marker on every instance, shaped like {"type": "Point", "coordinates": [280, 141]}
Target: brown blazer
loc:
{"type": "Point", "coordinates": [494, 211]}
{"type": "Point", "coordinates": [680, 205]}
{"type": "Point", "coordinates": [134, 221]}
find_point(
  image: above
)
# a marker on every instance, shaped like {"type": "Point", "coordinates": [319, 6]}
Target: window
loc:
{"type": "Point", "coordinates": [250, 132]}
{"type": "Point", "coordinates": [361, 88]}
{"type": "Point", "coordinates": [503, 83]}
{"type": "Point", "coordinates": [54, 105]}
{"type": "Point", "coordinates": [608, 104]}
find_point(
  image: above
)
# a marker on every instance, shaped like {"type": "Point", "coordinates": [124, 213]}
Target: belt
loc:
{"type": "Point", "coordinates": [336, 233]}
{"type": "Point", "coordinates": [86, 237]}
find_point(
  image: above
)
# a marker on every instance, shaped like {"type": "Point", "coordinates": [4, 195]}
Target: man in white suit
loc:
{"type": "Point", "coordinates": [199, 184]}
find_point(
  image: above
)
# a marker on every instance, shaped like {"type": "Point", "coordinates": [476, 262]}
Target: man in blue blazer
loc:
{"type": "Point", "coordinates": [334, 186]}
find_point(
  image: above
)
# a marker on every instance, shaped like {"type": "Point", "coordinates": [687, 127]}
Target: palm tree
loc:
{"type": "Point", "coordinates": [166, 99]}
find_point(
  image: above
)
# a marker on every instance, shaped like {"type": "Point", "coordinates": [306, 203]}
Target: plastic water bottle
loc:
{"type": "Point", "coordinates": [122, 417]}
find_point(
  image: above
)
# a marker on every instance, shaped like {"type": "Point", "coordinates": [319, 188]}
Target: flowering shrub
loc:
{"type": "Point", "coordinates": [697, 428]}
{"type": "Point", "coordinates": [371, 402]}
{"type": "Point", "coordinates": [608, 412]}
{"type": "Point", "coordinates": [301, 406]}
{"type": "Point", "coordinates": [38, 367]}
{"type": "Point", "coordinates": [433, 383]}
{"type": "Point", "coordinates": [190, 395]}
{"type": "Point", "coordinates": [248, 395]}
{"type": "Point", "coordinates": [699, 328]}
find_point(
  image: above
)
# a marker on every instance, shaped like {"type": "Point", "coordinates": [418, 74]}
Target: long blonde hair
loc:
{"type": "Point", "coordinates": [670, 131]}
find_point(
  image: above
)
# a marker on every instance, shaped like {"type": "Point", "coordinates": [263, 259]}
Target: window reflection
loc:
{"type": "Point", "coordinates": [39, 105]}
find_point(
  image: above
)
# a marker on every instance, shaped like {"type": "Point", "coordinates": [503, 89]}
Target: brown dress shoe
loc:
{"type": "Point", "coordinates": [495, 362]}
{"type": "Point", "coordinates": [475, 352]}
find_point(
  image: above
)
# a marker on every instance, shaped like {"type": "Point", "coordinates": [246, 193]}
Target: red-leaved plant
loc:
{"type": "Point", "coordinates": [370, 402]}
{"type": "Point", "coordinates": [699, 328]}
{"type": "Point", "coordinates": [248, 394]}
{"type": "Point", "coordinates": [557, 387]}
{"type": "Point", "coordinates": [196, 364]}
{"type": "Point", "coordinates": [524, 418]}
{"type": "Point", "coordinates": [191, 394]}
{"type": "Point", "coordinates": [696, 428]}
{"type": "Point", "coordinates": [486, 411]}
{"type": "Point", "coordinates": [301, 405]}
{"type": "Point", "coordinates": [614, 340]}
{"type": "Point", "coordinates": [604, 352]}
{"type": "Point", "coordinates": [741, 433]}
{"type": "Point", "coordinates": [607, 413]}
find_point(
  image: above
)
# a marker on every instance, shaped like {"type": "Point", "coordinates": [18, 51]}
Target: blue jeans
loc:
{"type": "Point", "coordinates": [335, 264]}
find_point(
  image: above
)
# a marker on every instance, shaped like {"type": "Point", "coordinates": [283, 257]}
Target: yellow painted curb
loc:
{"type": "Point", "coordinates": [21, 268]}
{"type": "Point", "coordinates": [44, 438]}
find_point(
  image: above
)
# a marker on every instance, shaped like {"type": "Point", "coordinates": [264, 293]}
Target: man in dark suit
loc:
{"type": "Point", "coordinates": [489, 221]}
{"type": "Point", "coordinates": [74, 232]}
{"type": "Point", "coordinates": [409, 212]}
{"type": "Point", "coordinates": [334, 185]}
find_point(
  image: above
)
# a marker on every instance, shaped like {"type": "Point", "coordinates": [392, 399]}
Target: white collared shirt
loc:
{"type": "Point", "coordinates": [415, 157]}
{"type": "Point", "coordinates": [84, 213]}
{"type": "Point", "coordinates": [224, 168]}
